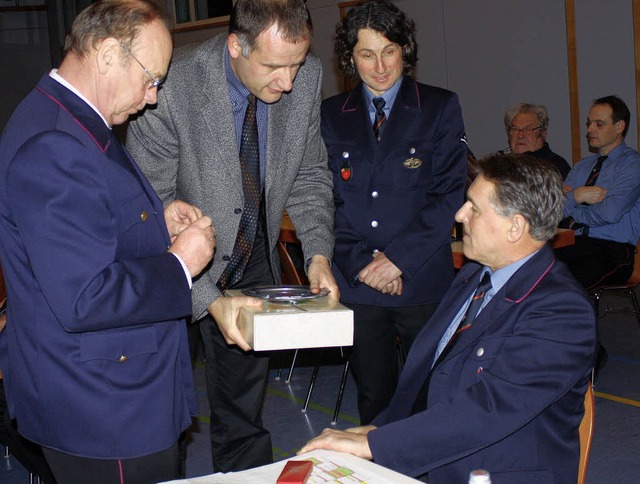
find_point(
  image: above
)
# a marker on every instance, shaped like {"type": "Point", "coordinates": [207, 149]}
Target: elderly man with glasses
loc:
{"type": "Point", "coordinates": [526, 126]}
{"type": "Point", "coordinates": [95, 353]}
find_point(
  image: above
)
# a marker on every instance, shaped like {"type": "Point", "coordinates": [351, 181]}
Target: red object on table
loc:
{"type": "Point", "coordinates": [295, 472]}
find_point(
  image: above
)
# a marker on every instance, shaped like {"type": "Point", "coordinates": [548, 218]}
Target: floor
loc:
{"type": "Point", "coordinates": [616, 443]}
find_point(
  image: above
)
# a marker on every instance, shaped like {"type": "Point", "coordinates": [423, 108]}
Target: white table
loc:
{"type": "Point", "coordinates": [364, 470]}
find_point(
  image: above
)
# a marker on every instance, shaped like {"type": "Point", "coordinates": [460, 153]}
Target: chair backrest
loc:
{"type": "Point", "coordinates": [586, 434]}
{"type": "Point", "coordinates": [634, 279]}
{"type": "Point", "coordinates": [288, 269]}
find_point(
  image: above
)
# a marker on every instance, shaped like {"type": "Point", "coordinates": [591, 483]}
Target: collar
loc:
{"type": "Point", "coordinates": [54, 74]}
{"type": "Point", "coordinates": [542, 150]}
{"type": "Point", "coordinates": [389, 96]}
{"type": "Point", "coordinates": [237, 91]}
{"type": "Point", "coordinates": [86, 117]}
{"type": "Point", "coordinates": [500, 276]}
{"type": "Point", "coordinates": [616, 152]}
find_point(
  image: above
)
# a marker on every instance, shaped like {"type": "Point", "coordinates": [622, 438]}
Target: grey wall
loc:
{"type": "Point", "coordinates": [490, 60]}
{"type": "Point", "coordinates": [492, 53]}
{"type": "Point", "coordinates": [606, 62]}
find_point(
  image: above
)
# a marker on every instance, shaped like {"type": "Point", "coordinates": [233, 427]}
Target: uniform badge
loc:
{"type": "Point", "coordinates": [412, 162]}
{"type": "Point", "coordinates": [345, 170]}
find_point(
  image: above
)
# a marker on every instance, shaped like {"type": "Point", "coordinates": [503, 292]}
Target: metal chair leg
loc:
{"type": "Point", "coordinates": [312, 382]}
{"type": "Point", "coordinates": [596, 302]}
{"type": "Point", "coordinates": [293, 364]}
{"type": "Point", "coordinates": [343, 383]}
{"type": "Point", "coordinates": [635, 303]}
{"type": "Point", "coordinates": [279, 372]}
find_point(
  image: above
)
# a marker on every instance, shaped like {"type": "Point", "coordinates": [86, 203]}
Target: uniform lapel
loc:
{"type": "Point", "coordinates": [405, 111]}
{"type": "Point", "coordinates": [354, 119]}
{"type": "Point", "coordinates": [517, 288]}
{"type": "Point", "coordinates": [423, 349]}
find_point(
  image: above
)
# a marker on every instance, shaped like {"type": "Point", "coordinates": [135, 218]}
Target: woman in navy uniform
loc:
{"type": "Point", "coordinates": [397, 153]}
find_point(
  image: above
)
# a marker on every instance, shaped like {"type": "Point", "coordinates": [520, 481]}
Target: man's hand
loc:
{"type": "Point", "coordinates": [195, 245]}
{"type": "Point", "coordinates": [352, 441]}
{"type": "Point", "coordinates": [379, 273]}
{"type": "Point", "coordinates": [224, 311]}
{"type": "Point", "coordinates": [394, 288]}
{"type": "Point", "coordinates": [320, 277]}
{"type": "Point", "coordinates": [178, 215]}
{"type": "Point", "coordinates": [589, 195]}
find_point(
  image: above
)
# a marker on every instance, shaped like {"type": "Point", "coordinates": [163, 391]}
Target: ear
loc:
{"type": "Point", "coordinates": [517, 229]}
{"type": "Point", "coordinates": [620, 125]}
{"type": "Point", "coordinates": [233, 44]}
{"type": "Point", "coordinates": [108, 54]}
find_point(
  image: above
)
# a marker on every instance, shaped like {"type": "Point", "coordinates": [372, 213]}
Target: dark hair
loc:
{"type": "Point", "coordinates": [619, 110]}
{"type": "Point", "coordinates": [120, 19]}
{"type": "Point", "coordinates": [249, 18]}
{"type": "Point", "coordinates": [383, 17]}
{"type": "Point", "coordinates": [527, 186]}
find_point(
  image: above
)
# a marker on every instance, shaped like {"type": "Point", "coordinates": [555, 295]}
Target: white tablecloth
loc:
{"type": "Point", "coordinates": [330, 463]}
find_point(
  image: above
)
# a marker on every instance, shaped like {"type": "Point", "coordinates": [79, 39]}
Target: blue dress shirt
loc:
{"type": "Point", "coordinates": [388, 96]}
{"type": "Point", "coordinates": [617, 217]}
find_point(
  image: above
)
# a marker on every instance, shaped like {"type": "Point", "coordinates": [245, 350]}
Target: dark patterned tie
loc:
{"type": "Point", "coordinates": [250, 169]}
{"type": "Point", "coordinates": [380, 118]}
{"type": "Point", "coordinates": [465, 323]}
{"type": "Point", "coordinates": [591, 181]}
{"type": "Point", "coordinates": [470, 315]}
{"type": "Point", "coordinates": [568, 222]}
{"type": "Point", "coordinates": [593, 176]}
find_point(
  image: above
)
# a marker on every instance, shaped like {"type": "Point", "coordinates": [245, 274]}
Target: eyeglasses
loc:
{"type": "Point", "coordinates": [155, 82]}
{"type": "Point", "coordinates": [525, 130]}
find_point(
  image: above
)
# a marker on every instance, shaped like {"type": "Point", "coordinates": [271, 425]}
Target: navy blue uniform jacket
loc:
{"type": "Point", "coordinates": [509, 395]}
{"type": "Point", "coordinates": [389, 204]}
{"type": "Point", "coordinates": [95, 358]}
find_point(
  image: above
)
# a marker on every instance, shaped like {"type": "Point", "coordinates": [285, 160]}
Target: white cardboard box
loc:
{"type": "Point", "coordinates": [315, 323]}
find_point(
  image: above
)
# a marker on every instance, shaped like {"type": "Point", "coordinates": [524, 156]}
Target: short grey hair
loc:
{"type": "Point", "coordinates": [527, 186]}
{"type": "Point", "coordinates": [538, 109]}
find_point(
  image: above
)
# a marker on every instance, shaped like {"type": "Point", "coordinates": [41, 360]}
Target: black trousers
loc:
{"type": "Point", "coordinates": [149, 469]}
{"type": "Point", "coordinates": [373, 360]}
{"type": "Point", "coordinates": [236, 383]}
{"type": "Point", "coordinates": [594, 262]}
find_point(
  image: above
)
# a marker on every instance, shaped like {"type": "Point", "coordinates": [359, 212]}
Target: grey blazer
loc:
{"type": "Point", "coordinates": [187, 148]}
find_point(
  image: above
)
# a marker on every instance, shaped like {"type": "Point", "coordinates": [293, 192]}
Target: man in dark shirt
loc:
{"type": "Point", "coordinates": [526, 126]}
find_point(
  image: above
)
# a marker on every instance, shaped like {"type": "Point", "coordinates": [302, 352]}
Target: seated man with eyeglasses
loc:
{"type": "Point", "coordinates": [526, 126]}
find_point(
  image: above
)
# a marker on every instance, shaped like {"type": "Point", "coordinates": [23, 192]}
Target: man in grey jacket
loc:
{"type": "Point", "coordinates": [193, 147]}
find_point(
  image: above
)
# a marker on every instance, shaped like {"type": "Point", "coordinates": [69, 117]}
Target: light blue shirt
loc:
{"type": "Point", "coordinates": [389, 97]}
{"type": "Point", "coordinates": [498, 279]}
{"type": "Point", "coordinates": [617, 217]}
{"type": "Point", "coordinates": [239, 102]}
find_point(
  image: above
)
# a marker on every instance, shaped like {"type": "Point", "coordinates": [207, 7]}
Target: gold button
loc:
{"type": "Point", "coordinates": [144, 215]}
{"type": "Point", "coordinates": [122, 359]}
